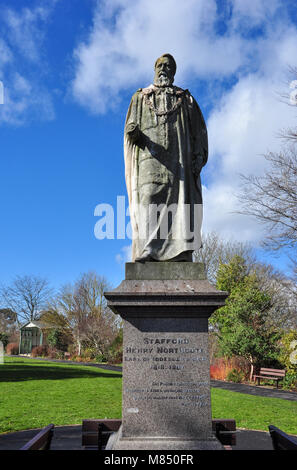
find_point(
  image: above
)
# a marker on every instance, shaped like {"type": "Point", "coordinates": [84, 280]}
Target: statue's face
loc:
{"type": "Point", "coordinates": [164, 72]}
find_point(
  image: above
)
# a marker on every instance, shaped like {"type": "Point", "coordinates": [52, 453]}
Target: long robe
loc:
{"type": "Point", "coordinates": [160, 171]}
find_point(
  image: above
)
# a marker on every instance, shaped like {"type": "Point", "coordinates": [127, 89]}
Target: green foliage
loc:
{"type": "Point", "coordinates": [56, 338]}
{"type": "Point", "coordinates": [89, 353]}
{"type": "Point", "coordinates": [232, 274]}
{"type": "Point", "coordinates": [4, 339]}
{"type": "Point", "coordinates": [290, 381]}
{"type": "Point", "coordinates": [288, 352]}
{"type": "Point", "coordinates": [100, 358]}
{"type": "Point", "coordinates": [243, 329]}
{"type": "Point", "coordinates": [114, 353]}
{"type": "Point", "coordinates": [235, 376]}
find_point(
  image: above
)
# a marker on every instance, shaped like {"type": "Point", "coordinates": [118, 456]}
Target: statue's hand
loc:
{"type": "Point", "coordinates": [136, 135]}
{"type": "Point", "coordinates": [133, 131]}
{"type": "Point", "coordinates": [197, 164]}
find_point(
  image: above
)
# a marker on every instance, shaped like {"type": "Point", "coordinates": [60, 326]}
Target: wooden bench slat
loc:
{"type": "Point", "coordinates": [41, 441]}
{"type": "Point", "coordinates": [281, 440]}
{"type": "Point", "coordinates": [225, 430]}
{"type": "Point", "coordinates": [270, 374]}
{"type": "Point", "coordinates": [89, 425]}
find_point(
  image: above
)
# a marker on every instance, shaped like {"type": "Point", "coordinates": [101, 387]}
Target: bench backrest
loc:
{"type": "Point", "coordinates": [281, 440]}
{"type": "Point", "coordinates": [225, 430]}
{"type": "Point", "coordinates": [274, 372]}
{"type": "Point", "coordinates": [42, 440]}
{"type": "Point", "coordinates": [95, 432]}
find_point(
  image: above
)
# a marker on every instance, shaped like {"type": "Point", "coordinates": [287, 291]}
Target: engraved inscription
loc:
{"type": "Point", "coordinates": [168, 354]}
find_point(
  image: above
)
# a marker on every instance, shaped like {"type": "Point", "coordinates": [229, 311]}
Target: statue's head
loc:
{"type": "Point", "coordinates": [165, 68]}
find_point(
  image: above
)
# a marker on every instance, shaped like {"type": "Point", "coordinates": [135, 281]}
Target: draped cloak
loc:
{"type": "Point", "coordinates": [162, 167]}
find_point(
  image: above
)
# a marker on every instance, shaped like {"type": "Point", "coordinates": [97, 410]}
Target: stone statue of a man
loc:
{"type": "Point", "coordinates": [165, 149]}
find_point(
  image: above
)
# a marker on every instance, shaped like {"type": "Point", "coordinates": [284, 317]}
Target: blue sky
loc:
{"type": "Point", "coordinates": [69, 69]}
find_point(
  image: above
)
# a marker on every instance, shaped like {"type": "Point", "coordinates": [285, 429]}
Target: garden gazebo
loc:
{"type": "Point", "coordinates": [31, 335]}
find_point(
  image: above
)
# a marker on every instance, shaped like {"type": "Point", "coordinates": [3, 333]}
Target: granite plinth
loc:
{"type": "Point", "coordinates": [164, 270]}
{"type": "Point", "coordinates": [117, 442]}
{"type": "Point", "coordinates": [166, 382]}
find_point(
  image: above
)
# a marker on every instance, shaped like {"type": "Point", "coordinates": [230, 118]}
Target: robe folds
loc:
{"type": "Point", "coordinates": [163, 160]}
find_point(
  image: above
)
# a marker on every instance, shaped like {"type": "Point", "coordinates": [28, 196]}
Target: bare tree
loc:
{"type": "Point", "coordinates": [27, 296]}
{"type": "Point", "coordinates": [216, 250]}
{"type": "Point", "coordinates": [82, 309]}
{"type": "Point", "coordinates": [272, 199]}
{"type": "Point", "coordinates": [8, 320]}
{"type": "Point", "coordinates": [282, 290]}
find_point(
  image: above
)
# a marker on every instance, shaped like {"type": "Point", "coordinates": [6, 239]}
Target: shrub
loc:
{"type": "Point", "coordinates": [100, 358]}
{"type": "Point", "coordinates": [12, 349]}
{"type": "Point", "coordinates": [4, 339]}
{"type": "Point", "coordinates": [114, 354]}
{"type": "Point", "coordinates": [288, 354]}
{"type": "Point", "coordinates": [89, 353]}
{"type": "Point", "coordinates": [39, 351]}
{"type": "Point", "coordinates": [220, 368]}
{"type": "Point", "coordinates": [235, 376]}
{"type": "Point", "coordinates": [52, 353]}
{"type": "Point", "coordinates": [290, 381]}
{"type": "Point", "coordinates": [114, 357]}
{"type": "Point", "coordinates": [57, 339]}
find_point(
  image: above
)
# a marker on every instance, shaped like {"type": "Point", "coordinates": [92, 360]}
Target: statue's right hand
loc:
{"type": "Point", "coordinates": [133, 131]}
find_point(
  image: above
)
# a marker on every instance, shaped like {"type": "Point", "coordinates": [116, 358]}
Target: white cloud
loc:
{"type": "Point", "coordinates": [22, 63]}
{"type": "Point", "coordinates": [25, 29]}
{"type": "Point", "coordinates": [242, 127]}
{"type": "Point", "coordinates": [125, 255]}
{"type": "Point", "coordinates": [127, 37]}
{"type": "Point", "coordinates": [250, 42]}
{"type": "Point", "coordinates": [253, 13]}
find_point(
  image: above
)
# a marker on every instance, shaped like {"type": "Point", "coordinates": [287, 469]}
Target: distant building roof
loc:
{"type": "Point", "coordinates": [35, 324]}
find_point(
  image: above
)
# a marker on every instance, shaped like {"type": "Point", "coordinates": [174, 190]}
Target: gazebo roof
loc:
{"type": "Point", "coordinates": [35, 324]}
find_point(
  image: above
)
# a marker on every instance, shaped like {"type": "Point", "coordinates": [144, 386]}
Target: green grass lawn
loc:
{"type": "Point", "coordinates": [35, 393]}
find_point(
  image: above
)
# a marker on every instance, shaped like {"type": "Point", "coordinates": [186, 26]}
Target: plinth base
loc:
{"type": "Point", "coordinates": [166, 384]}
{"type": "Point", "coordinates": [117, 442]}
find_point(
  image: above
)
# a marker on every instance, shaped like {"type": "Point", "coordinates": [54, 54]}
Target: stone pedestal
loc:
{"type": "Point", "coordinates": [166, 382]}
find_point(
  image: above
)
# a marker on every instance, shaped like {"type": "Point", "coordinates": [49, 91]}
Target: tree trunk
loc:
{"type": "Point", "coordinates": [252, 369]}
{"type": "Point", "coordinates": [79, 346]}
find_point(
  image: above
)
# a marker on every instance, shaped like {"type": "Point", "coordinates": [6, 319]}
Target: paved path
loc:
{"type": "Point", "coordinates": [255, 390]}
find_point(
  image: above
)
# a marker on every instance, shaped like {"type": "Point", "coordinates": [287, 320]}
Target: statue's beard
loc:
{"type": "Point", "coordinates": [163, 80]}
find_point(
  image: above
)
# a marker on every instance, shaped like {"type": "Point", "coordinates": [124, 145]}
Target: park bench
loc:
{"type": "Point", "coordinates": [281, 440]}
{"type": "Point", "coordinates": [42, 440]}
{"type": "Point", "coordinates": [270, 374]}
{"type": "Point", "coordinates": [96, 432]}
